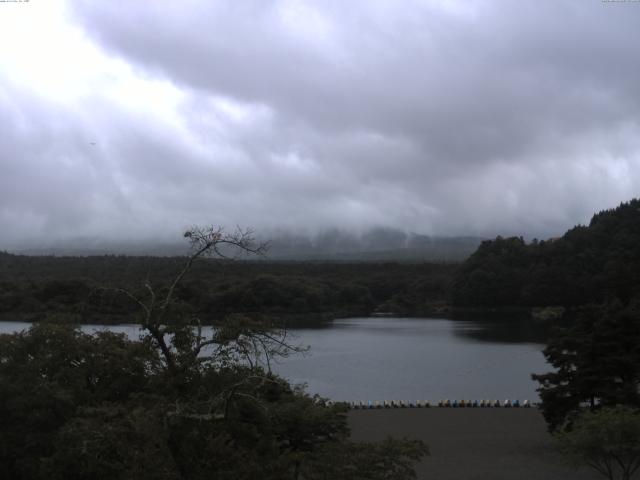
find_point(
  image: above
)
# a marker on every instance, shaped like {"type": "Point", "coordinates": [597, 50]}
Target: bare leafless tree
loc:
{"type": "Point", "coordinates": [183, 344]}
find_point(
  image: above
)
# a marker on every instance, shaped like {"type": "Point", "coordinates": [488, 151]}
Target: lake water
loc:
{"type": "Point", "coordinates": [408, 359]}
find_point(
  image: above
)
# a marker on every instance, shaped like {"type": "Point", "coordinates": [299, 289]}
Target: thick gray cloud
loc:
{"type": "Point", "coordinates": [477, 117]}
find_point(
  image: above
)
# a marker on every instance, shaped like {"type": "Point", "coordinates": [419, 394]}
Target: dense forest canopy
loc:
{"type": "Point", "coordinates": [587, 264]}
{"type": "Point", "coordinates": [41, 287]}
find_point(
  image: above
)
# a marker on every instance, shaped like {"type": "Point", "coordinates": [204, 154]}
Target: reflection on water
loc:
{"type": "Point", "coordinates": [503, 328]}
{"type": "Point", "coordinates": [408, 358]}
{"type": "Point", "coordinates": [404, 358]}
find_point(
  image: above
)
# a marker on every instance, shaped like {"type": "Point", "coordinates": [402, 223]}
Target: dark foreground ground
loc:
{"type": "Point", "coordinates": [473, 443]}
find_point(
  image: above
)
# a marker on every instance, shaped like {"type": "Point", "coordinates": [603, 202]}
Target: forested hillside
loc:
{"type": "Point", "coordinates": [588, 264]}
{"type": "Point", "coordinates": [78, 288]}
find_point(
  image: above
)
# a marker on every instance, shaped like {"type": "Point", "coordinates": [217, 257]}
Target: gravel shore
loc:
{"type": "Point", "coordinates": [473, 443]}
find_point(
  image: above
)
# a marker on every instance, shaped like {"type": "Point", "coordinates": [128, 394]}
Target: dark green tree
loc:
{"type": "Point", "coordinates": [596, 361]}
{"type": "Point", "coordinates": [607, 440]}
{"type": "Point", "coordinates": [48, 375]}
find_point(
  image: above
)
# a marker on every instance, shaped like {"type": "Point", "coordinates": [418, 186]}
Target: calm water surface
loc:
{"type": "Point", "coordinates": [407, 359]}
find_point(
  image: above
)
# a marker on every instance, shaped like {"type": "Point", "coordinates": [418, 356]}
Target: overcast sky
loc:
{"type": "Point", "coordinates": [133, 120]}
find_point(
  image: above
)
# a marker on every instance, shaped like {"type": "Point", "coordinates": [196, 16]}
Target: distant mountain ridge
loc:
{"type": "Point", "coordinates": [375, 244]}
{"type": "Point", "coordinates": [379, 244]}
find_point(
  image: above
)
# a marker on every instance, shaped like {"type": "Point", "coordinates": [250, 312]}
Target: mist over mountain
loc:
{"type": "Point", "coordinates": [373, 244]}
{"type": "Point", "coordinates": [376, 244]}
